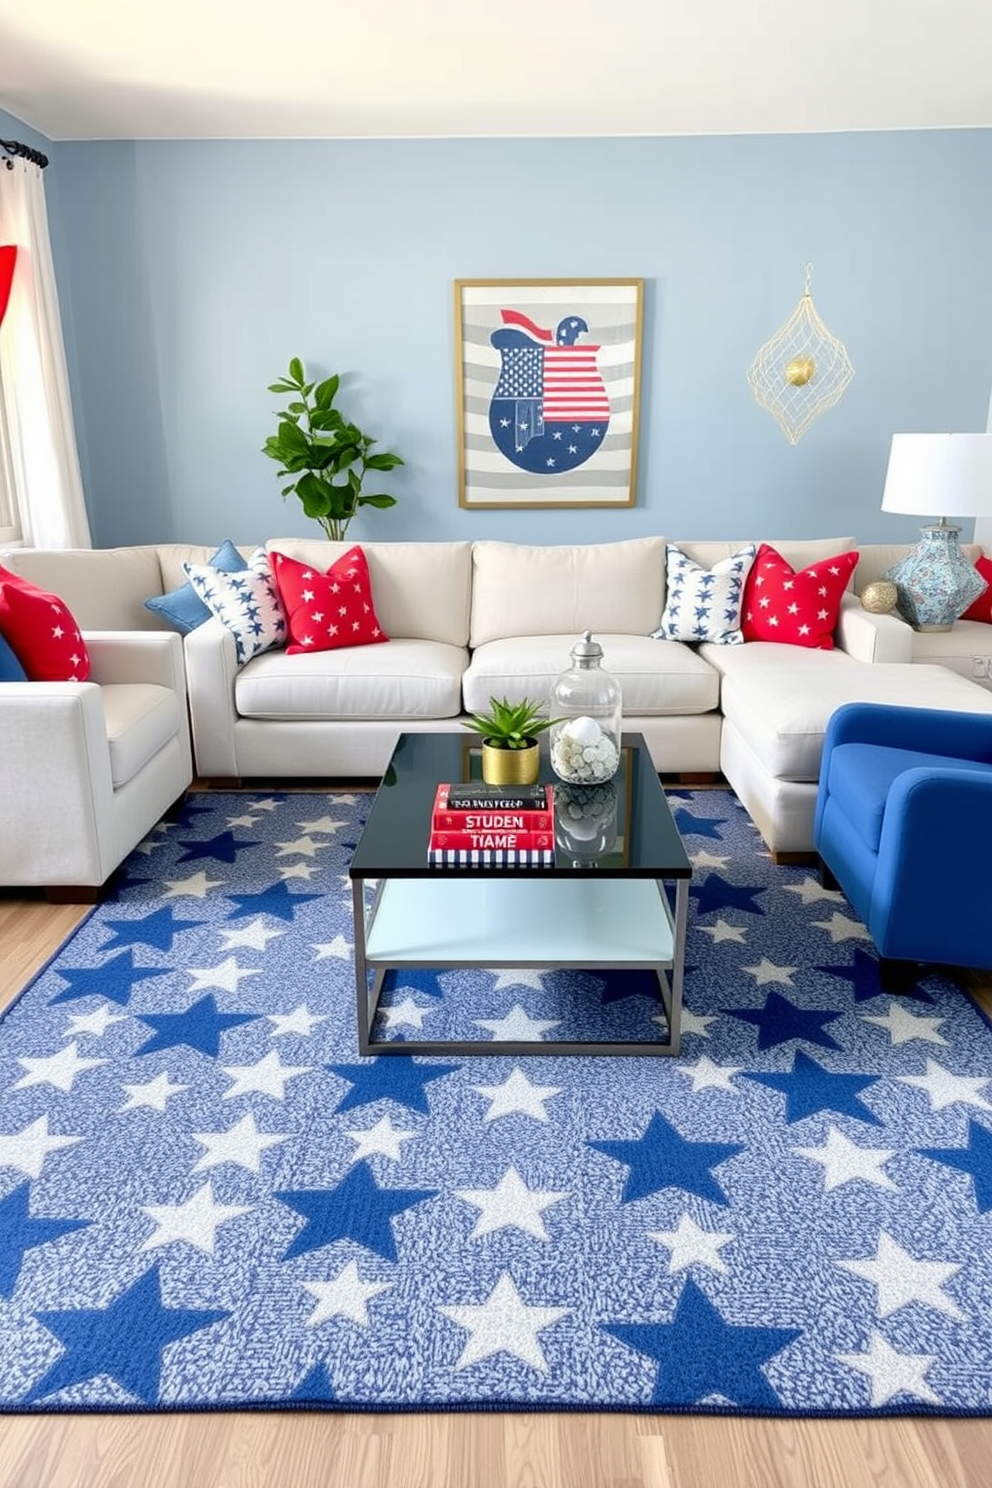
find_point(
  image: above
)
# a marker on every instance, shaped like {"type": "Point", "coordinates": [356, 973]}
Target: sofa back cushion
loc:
{"type": "Point", "coordinates": [522, 590]}
{"type": "Point", "coordinates": [105, 588]}
{"type": "Point", "coordinates": [421, 590]}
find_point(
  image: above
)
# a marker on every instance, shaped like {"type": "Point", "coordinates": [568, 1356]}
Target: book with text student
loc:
{"type": "Point", "coordinates": [510, 812]}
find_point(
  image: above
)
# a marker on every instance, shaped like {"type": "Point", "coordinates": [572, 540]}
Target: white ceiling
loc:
{"type": "Point", "coordinates": [102, 69]}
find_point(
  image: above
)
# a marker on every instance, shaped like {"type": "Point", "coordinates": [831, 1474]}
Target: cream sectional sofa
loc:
{"type": "Point", "coordinates": [472, 620]}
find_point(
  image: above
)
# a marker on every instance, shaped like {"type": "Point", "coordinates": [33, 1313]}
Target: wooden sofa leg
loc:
{"type": "Point", "coordinates": [827, 879]}
{"type": "Point", "coordinates": [792, 859]}
{"type": "Point", "coordinates": [74, 893]}
{"type": "Point", "coordinates": [895, 976]}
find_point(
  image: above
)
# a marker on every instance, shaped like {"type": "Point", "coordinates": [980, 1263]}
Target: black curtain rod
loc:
{"type": "Point", "coordinates": [14, 147]}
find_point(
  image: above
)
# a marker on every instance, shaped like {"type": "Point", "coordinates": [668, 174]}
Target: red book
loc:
{"type": "Point", "coordinates": [491, 841]}
{"type": "Point", "coordinates": [506, 813]}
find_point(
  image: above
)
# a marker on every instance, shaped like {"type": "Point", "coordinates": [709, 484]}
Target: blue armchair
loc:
{"type": "Point", "coordinates": [904, 826]}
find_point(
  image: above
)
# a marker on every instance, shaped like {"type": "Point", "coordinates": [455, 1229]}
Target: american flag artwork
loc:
{"type": "Point", "coordinates": [549, 392]}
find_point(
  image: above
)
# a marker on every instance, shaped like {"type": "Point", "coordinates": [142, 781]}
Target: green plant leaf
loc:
{"type": "Point", "coordinates": [324, 392]}
{"type": "Point", "coordinates": [380, 501]}
{"type": "Point", "coordinates": [315, 495]}
{"type": "Point", "coordinates": [296, 373]}
{"type": "Point", "coordinates": [383, 462]}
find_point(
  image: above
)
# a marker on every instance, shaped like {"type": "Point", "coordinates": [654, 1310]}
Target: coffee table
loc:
{"type": "Point", "coordinates": [611, 912]}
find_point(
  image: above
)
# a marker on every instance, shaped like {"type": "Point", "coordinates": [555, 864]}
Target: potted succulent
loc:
{"type": "Point", "coordinates": [328, 456]}
{"type": "Point", "coordinates": [510, 746]}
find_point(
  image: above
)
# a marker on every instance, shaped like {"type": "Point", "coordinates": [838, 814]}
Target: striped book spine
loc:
{"type": "Point", "coordinates": [451, 857]}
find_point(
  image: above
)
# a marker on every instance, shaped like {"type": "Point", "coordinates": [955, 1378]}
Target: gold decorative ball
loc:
{"type": "Point", "coordinates": [800, 371]}
{"type": "Point", "coordinates": [880, 597]}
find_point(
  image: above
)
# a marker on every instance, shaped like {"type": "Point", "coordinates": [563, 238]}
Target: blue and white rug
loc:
{"type": "Point", "coordinates": [207, 1200]}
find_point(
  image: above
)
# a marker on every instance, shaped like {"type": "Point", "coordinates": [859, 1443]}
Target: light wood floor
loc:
{"type": "Point", "coordinates": [300, 1449]}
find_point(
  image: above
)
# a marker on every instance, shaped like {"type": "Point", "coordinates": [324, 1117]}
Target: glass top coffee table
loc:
{"type": "Point", "coordinates": [610, 910]}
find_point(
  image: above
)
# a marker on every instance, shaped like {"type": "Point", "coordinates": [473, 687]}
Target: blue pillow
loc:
{"type": "Point", "coordinates": [10, 668]}
{"type": "Point", "coordinates": [183, 608]}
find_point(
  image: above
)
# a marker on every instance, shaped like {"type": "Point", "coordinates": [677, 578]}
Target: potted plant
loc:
{"type": "Point", "coordinates": [510, 747]}
{"type": "Point", "coordinates": [328, 456]}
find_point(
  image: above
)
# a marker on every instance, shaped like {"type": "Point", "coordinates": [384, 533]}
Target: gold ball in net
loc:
{"type": "Point", "coordinates": [880, 597]}
{"type": "Point", "coordinates": [800, 371]}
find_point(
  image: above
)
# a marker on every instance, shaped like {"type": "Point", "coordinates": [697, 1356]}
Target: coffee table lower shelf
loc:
{"type": "Point", "coordinates": [445, 921]}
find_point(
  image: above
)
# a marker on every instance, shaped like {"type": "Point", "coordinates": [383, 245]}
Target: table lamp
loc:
{"type": "Point", "coordinates": [938, 475]}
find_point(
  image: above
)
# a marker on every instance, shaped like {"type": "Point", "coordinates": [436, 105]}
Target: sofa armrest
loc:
{"type": "Point", "coordinates": [211, 671]}
{"type": "Point", "coordinates": [872, 638]}
{"type": "Point", "coordinates": [137, 656]}
{"type": "Point", "coordinates": [930, 730]}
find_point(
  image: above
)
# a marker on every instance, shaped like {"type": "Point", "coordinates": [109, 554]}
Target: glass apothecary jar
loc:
{"type": "Point", "coordinates": [586, 821]}
{"type": "Point", "coordinates": [586, 704]}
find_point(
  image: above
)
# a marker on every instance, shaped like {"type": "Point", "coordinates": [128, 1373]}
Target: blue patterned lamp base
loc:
{"type": "Point", "coordinates": [936, 582]}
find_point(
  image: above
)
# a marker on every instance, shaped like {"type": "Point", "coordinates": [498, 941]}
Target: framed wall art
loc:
{"type": "Point", "coordinates": [548, 384]}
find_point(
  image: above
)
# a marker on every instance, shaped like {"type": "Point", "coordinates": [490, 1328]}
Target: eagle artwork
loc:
{"type": "Point", "coordinates": [550, 411]}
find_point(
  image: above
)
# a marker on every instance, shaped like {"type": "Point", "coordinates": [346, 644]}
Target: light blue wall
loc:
{"type": "Point", "coordinates": [192, 271]}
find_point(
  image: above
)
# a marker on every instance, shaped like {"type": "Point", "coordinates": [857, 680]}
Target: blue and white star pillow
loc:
{"type": "Point", "coordinates": [247, 603]}
{"type": "Point", "coordinates": [704, 604]}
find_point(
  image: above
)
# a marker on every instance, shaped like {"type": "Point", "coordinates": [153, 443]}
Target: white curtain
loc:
{"type": "Point", "coordinates": [34, 382]}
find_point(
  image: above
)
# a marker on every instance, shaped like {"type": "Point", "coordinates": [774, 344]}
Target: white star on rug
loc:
{"type": "Point", "coordinates": [517, 977]}
{"type": "Point", "coordinates": [241, 821]}
{"type": "Point", "coordinates": [59, 1070]}
{"type": "Point", "coordinates": [810, 891]}
{"type": "Point", "coordinates": [148, 846]}
{"type": "Point", "coordinates": [406, 1014]}
{"type": "Point", "coordinates": [346, 1296]}
{"type": "Point", "coordinates": [843, 1161]}
{"type": "Point", "coordinates": [269, 1076]}
{"type": "Point", "coordinates": [511, 1205]}
{"type": "Point", "coordinates": [946, 1089]}
{"type": "Point", "coordinates": [517, 1025]}
{"type": "Point", "coordinates": [197, 886]}
{"type": "Point", "coordinates": [255, 935]}
{"type": "Point", "coordinates": [154, 1093]}
{"type": "Point", "coordinates": [706, 1075]}
{"type": "Point", "coordinates": [197, 1221]}
{"type": "Point", "coordinates": [766, 971]}
{"type": "Point", "coordinates": [300, 1021]}
{"type": "Point", "coordinates": [384, 1138]}
{"type": "Point", "coordinates": [267, 805]}
{"type": "Point", "coordinates": [243, 1145]}
{"type": "Point", "coordinates": [904, 1026]}
{"type": "Point", "coordinates": [297, 870]}
{"type": "Point", "coordinates": [303, 846]}
{"type": "Point", "coordinates": [517, 1094]}
{"type": "Point", "coordinates": [27, 1149]}
{"type": "Point", "coordinates": [224, 977]}
{"type": "Point", "coordinates": [704, 859]}
{"type": "Point", "coordinates": [692, 1246]}
{"type": "Point", "coordinates": [95, 1023]}
{"type": "Point", "coordinates": [336, 947]}
{"type": "Point", "coordinates": [892, 1373]}
{"type": "Point", "coordinates": [694, 1022]}
{"type": "Point", "coordinates": [321, 824]}
{"type": "Point", "coordinates": [902, 1279]}
{"type": "Point", "coordinates": [840, 927]}
{"type": "Point", "coordinates": [504, 1324]}
{"type": "Point", "coordinates": [722, 931]}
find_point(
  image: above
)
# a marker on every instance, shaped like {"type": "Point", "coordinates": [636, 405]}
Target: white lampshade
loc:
{"type": "Point", "coordinates": [939, 475]}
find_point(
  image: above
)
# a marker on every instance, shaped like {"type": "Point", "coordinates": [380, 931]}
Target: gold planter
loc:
{"type": "Point", "coordinates": [510, 766]}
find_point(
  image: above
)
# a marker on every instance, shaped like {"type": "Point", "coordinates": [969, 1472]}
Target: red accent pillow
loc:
{"type": "Point", "coordinates": [41, 631]}
{"type": "Point", "coordinates": [327, 611]}
{"type": "Point", "coordinates": [981, 608]}
{"type": "Point", "coordinates": [796, 609]}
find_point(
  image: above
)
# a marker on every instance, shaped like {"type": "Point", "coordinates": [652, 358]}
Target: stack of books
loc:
{"type": "Point", "coordinates": [492, 826]}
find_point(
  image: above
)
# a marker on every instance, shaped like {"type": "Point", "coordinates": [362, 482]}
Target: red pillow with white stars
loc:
{"type": "Point", "coordinates": [981, 609]}
{"type": "Point", "coordinates": [795, 609]}
{"type": "Point", "coordinates": [41, 631]}
{"type": "Point", "coordinates": [326, 611]}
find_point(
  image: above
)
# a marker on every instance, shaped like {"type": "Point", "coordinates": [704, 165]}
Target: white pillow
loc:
{"type": "Point", "coordinates": [704, 604]}
{"type": "Point", "coordinates": [247, 602]}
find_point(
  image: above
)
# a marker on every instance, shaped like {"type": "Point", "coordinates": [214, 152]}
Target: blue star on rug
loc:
{"type": "Point", "coordinates": [276, 900]}
{"type": "Point", "coordinates": [780, 1020]}
{"type": "Point", "coordinates": [809, 1088]}
{"type": "Point", "coordinates": [716, 893]}
{"type": "Point", "coordinates": [314, 1386]}
{"type": "Point", "coordinates": [21, 1231]}
{"type": "Point", "coordinates": [862, 977]}
{"type": "Point", "coordinates": [698, 826]}
{"type": "Point", "coordinates": [358, 1209]}
{"type": "Point", "coordinates": [389, 1078]}
{"type": "Point", "coordinates": [158, 929]}
{"type": "Point", "coordinates": [661, 1158]}
{"type": "Point", "coordinates": [975, 1159]}
{"type": "Point", "coordinates": [114, 979]}
{"type": "Point", "coordinates": [198, 1027]}
{"type": "Point", "coordinates": [124, 1340]}
{"type": "Point", "coordinates": [699, 1355]}
{"type": "Point", "coordinates": [224, 848]}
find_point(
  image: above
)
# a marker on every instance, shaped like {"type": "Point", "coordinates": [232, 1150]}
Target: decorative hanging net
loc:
{"type": "Point", "coordinates": [801, 371]}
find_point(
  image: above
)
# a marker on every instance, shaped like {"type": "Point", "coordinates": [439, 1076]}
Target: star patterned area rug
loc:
{"type": "Point", "coordinates": [209, 1201]}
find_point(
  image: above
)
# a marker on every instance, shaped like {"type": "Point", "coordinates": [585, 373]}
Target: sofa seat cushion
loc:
{"type": "Point", "coordinates": [656, 677]}
{"type": "Point", "coordinates": [861, 775]}
{"type": "Point", "coordinates": [781, 712]}
{"type": "Point", "coordinates": [400, 679]}
{"type": "Point", "coordinates": [141, 718]}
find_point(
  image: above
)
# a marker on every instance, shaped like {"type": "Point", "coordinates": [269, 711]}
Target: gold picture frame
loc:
{"type": "Point", "coordinates": [548, 391]}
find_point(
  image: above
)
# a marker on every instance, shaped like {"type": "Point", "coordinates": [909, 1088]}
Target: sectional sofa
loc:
{"type": "Point", "coordinates": [470, 620]}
